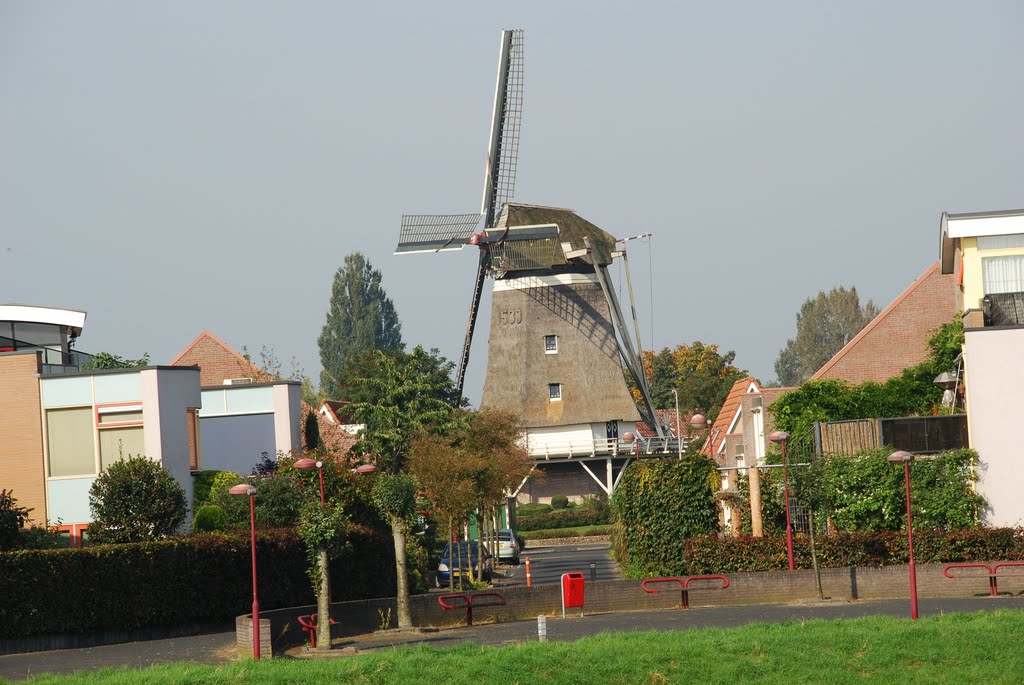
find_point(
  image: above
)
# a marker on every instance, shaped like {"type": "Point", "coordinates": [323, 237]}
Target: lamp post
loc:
{"type": "Point", "coordinates": [699, 422]}
{"type": "Point", "coordinates": [246, 490]}
{"type": "Point", "coordinates": [309, 465]}
{"type": "Point", "coordinates": [782, 437]}
{"type": "Point", "coordinates": [679, 444]}
{"type": "Point", "coordinates": [905, 458]}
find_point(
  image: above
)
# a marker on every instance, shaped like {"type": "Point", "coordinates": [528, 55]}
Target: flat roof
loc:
{"type": "Point", "coordinates": [72, 318]}
{"type": "Point", "coordinates": [974, 224]}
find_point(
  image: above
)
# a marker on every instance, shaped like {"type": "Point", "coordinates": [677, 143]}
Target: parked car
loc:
{"type": "Point", "coordinates": [464, 553]}
{"type": "Point", "coordinates": [509, 546]}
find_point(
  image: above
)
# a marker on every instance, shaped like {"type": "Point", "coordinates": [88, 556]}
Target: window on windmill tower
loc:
{"type": "Point", "coordinates": [551, 344]}
{"type": "Point", "coordinates": [555, 391]}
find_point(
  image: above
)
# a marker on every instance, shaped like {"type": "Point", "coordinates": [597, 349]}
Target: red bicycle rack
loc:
{"type": "Point", "coordinates": [308, 624]}
{"type": "Point", "coordinates": [469, 601]}
{"type": "Point", "coordinates": [992, 572]}
{"type": "Point", "coordinates": [683, 586]}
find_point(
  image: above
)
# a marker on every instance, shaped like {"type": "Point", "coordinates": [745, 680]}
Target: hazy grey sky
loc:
{"type": "Point", "coordinates": [184, 166]}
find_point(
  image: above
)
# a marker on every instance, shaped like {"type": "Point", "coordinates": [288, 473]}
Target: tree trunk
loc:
{"type": "Point", "coordinates": [323, 601]}
{"type": "Point", "coordinates": [398, 532]}
{"type": "Point", "coordinates": [814, 554]}
{"type": "Point", "coordinates": [756, 525]}
{"type": "Point", "coordinates": [451, 562]}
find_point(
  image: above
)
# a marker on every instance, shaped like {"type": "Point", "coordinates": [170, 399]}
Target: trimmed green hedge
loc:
{"type": "Point", "coordinates": [567, 533]}
{"type": "Point", "coordinates": [711, 554]}
{"type": "Point", "coordinates": [191, 579]}
{"type": "Point", "coordinates": [565, 518]}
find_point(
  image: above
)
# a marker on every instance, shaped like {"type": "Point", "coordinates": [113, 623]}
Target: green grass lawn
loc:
{"type": "Point", "coordinates": [956, 648]}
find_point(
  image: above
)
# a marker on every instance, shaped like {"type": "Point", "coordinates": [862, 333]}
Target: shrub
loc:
{"type": "Point", "coordinates": [135, 499]}
{"type": "Point", "coordinates": [12, 520]}
{"type": "Point", "coordinates": [187, 580]}
{"type": "Point", "coordinates": [565, 518]}
{"type": "Point", "coordinates": [567, 533]}
{"type": "Point", "coordinates": [42, 537]}
{"type": "Point", "coordinates": [660, 504]}
{"type": "Point", "coordinates": [209, 517]}
{"type": "Point", "coordinates": [559, 502]}
{"type": "Point", "coordinates": [278, 500]}
{"type": "Point", "coordinates": [711, 554]}
{"type": "Point", "coordinates": [532, 509]}
{"type": "Point", "coordinates": [205, 481]}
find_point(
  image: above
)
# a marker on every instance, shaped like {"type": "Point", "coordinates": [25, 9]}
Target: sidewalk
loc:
{"type": "Point", "coordinates": [219, 648]}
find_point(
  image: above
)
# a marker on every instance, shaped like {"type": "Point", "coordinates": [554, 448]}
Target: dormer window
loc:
{"type": "Point", "coordinates": [550, 344]}
{"type": "Point", "coordinates": [555, 392]}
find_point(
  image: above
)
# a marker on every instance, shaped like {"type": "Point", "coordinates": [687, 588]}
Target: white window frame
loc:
{"type": "Point", "coordinates": [554, 392]}
{"type": "Point", "coordinates": [551, 350]}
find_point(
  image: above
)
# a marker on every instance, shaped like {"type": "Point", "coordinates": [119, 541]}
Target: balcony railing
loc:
{"type": "Point", "coordinates": [603, 448]}
{"type": "Point", "coordinates": [1004, 309]}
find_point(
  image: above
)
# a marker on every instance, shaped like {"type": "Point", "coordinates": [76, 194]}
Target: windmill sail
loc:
{"type": "Point", "coordinates": [436, 232]}
{"type": "Point", "coordinates": [503, 150]}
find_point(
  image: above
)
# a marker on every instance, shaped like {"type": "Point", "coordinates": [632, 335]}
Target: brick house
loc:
{"type": "Point", "coordinates": [898, 337]}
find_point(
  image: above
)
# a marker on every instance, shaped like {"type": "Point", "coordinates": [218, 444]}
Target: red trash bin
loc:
{"type": "Point", "coordinates": [572, 591]}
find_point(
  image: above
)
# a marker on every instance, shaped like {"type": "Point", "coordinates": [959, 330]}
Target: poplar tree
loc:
{"type": "Point", "coordinates": [360, 319]}
{"type": "Point", "coordinates": [824, 325]}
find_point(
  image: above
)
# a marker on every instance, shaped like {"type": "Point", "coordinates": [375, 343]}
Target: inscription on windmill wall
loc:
{"type": "Point", "coordinates": [510, 317]}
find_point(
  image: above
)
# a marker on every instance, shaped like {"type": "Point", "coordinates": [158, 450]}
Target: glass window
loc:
{"type": "Point", "coordinates": [1003, 274]}
{"type": "Point", "coordinates": [69, 435]}
{"type": "Point", "coordinates": [555, 391]}
{"type": "Point", "coordinates": [131, 414]}
{"type": "Point", "coordinates": [38, 334]}
{"type": "Point", "coordinates": [120, 443]}
{"type": "Point", "coordinates": [1000, 242]}
{"type": "Point", "coordinates": [550, 344]}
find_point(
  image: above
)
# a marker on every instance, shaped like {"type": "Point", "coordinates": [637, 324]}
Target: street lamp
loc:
{"type": "Point", "coordinates": [246, 490]}
{"type": "Point", "coordinates": [309, 465]}
{"type": "Point", "coordinates": [782, 437]}
{"type": "Point", "coordinates": [679, 444]}
{"type": "Point", "coordinates": [906, 458]}
{"type": "Point", "coordinates": [699, 422]}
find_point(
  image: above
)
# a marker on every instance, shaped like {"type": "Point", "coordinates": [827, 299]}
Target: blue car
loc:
{"type": "Point", "coordinates": [465, 553]}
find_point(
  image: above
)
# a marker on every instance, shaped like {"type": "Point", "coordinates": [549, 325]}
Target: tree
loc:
{"type": "Point", "coordinates": [12, 519]}
{"type": "Point", "coordinates": [106, 360]}
{"type": "Point", "coordinates": [473, 468]}
{"type": "Point", "coordinates": [824, 325]}
{"type": "Point", "coordinates": [311, 432]}
{"type": "Point", "coordinates": [133, 500]}
{"type": "Point", "coordinates": [699, 373]}
{"type": "Point", "coordinates": [398, 396]}
{"type": "Point", "coordinates": [360, 319]}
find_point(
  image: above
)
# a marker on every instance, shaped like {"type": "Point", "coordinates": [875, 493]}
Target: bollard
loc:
{"type": "Point", "coordinates": [529, 578]}
{"type": "Point", "coordinates": [593, 571]}
{"type": "Point", "coordinates": [542, 628]}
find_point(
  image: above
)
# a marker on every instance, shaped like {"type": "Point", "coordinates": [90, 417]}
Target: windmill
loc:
{"type": "Point", "coordinates": [558, 341]}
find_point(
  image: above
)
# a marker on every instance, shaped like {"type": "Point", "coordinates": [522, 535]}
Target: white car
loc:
{"type": "Point", "coordinates": [509, 546]}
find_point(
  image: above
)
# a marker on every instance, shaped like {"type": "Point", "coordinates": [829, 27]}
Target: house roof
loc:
{"type": "Point", "coordinates": [218, 361]}
{"type": "Point", "coordinates": [726, 420]}
{"type": "Point", "coordinates": [930, 309]}
{"type": "Point", "coordinates": [667, 418]}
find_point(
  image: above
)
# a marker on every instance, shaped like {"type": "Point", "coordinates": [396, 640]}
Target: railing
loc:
{"type": "Point", "coordinates": [1004, 309]}
{"type": "Point", "coordinates": [606, 447]}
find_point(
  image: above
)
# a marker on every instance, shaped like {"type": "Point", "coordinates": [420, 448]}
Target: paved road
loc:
{"type": "Point", "coordinates": [219, 648]}
{"type": "Point", "coordinates": [547, 564]}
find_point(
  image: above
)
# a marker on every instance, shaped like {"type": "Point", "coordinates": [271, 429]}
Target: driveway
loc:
{"type": "Point", "coordinates": [548, 563]}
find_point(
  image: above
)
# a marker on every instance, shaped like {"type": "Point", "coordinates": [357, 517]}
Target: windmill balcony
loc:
{"type": "Point", "coordinates": [604, 448]}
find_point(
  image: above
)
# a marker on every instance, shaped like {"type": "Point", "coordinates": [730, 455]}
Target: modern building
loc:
{"type": "Point", "coordinates": [64, 423]}
{"type": "Point", "coordinates": [984, 251]}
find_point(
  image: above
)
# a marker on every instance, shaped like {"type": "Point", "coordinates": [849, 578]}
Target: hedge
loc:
{"type": "Point", "coordinates": [564, 518]}
{"type": "Point", "coordinates": [199, 578]}
{"type": "Point", "coordinates": [712, 554]}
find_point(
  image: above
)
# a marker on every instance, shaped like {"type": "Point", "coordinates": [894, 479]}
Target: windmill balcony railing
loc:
{"type": "Point", "coordinates": [606, 447]}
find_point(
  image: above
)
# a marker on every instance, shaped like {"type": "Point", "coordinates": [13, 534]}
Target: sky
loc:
{"type": "Point", "coordinates": [183, 166]}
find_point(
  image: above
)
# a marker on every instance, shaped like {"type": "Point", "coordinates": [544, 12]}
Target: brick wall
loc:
{"type": "Point", "coordinates": [898, 336]}
{"type": "Point", "coordinates": [21, 433]}
{"type": "Point", "coordinates": [217, 361]}
{"type": "Point", "coordinates": [774, 587]}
